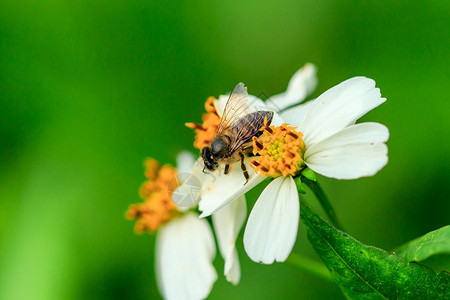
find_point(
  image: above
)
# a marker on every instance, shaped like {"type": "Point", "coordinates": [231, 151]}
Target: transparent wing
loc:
{"type": "Point", "coordinates": [248, 127]}
{"type": "Point", "coordinates": [235, 109]}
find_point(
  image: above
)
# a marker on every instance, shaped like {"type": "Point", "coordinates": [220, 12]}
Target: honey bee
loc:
{"type": "Point", "coordinates": [238, 125]}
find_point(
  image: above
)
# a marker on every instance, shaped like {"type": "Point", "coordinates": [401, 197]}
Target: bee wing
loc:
{"type": "Point", "coordinates": [248, 127]}
{"type": "Point", "coordinates": [235, 109]}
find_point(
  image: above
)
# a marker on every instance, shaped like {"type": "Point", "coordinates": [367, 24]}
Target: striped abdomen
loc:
{"type": "Point", "coordinates": [248, 127]}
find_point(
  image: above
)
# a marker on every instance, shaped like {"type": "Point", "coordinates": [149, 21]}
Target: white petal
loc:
{"type": "Point", "coordinates": [188, 193]}
{"type": "Point", "coordinates": [339, 107]}
{"type": "Point", "coordinates": [219, 189]}
{"type": "Point", "coordinates": [256, 104]}
{"type": "Point", "coordinates": [227, 223]}
{"type": "Point", "coordinates": [272, 226]}
{"type": "Point", "coordinates": [185, 162]}
{"type": "Point", "coordinates": [296, 114]}
{"type": "Point", "coordinates": [302, 83]}
{"type": "Point", "coordinates": [185, 250]}
{"type": "Point", "coordinates": [357, 151]}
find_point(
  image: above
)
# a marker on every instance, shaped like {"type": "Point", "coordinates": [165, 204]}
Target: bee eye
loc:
{"type": "Point", "coordinates": [205, 151]}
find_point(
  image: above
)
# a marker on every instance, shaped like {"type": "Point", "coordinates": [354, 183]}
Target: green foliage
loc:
{"type": "Point", "coordinates": [366, 272]}
{"type": "Point", "coordinates": [432, 243]}
{"type": "Point", "coordinates": [309, 174]}
{"type": "Point", "coordinates": [300, 187]}
{"type": "Point", "coordinates": [323, 199]}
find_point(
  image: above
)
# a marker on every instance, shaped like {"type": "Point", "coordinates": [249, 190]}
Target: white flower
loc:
{"type": "Point", "coordinates": [227, 223]}
{"type": "Point", "coordinates": [229, 220]}
{"type": "Point", "coordinates": [185, 247]}
{"type": "Point", "coordinates": [333, 146]}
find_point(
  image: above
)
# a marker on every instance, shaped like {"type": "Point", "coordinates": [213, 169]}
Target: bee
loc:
{"type": "Point", "coordinates": [233, 140]}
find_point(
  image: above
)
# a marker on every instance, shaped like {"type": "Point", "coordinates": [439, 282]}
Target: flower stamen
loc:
{"type": "Point", "coordinates": [205, 132]}
{"type": "Point", "coordinates": [280, 150]}
{"type": "Point", "coordinates": [157, 207]}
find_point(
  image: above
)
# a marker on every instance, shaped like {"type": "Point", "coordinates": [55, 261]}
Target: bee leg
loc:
{"type": "Point", "coordinates": [248, 151]}
{"type": "Point", "coordinates": [227, 168]}
{"type": "Point", "coordinates": [244, 168]}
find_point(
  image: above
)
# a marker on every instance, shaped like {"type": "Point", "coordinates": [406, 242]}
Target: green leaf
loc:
{"type": "Point", "coordinates": [432, 243]}
{"type": "Point", "coordinates": [366, 272]}
{"type": "Point", "coordinates": [300, 187]}
{"type": "Point", "coordinates": [309, 174]}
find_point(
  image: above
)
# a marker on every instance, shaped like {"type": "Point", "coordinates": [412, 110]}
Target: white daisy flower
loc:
{"type": "Point", "coordinates": [302, 83]}
{"type": "Point", "coordinates": [229, 220]}
{"type": "Point", "coordinates": [325, 139]}
{"type": "Point", "coordinates": [185, 247]}
{"type": "Point", "coordinates": [227, 223]}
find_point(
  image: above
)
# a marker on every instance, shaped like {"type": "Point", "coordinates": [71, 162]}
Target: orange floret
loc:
{"type": "Point", "coordinates": [157, 207]}
{"type": "Point", "coordinates": [205, 132]}
{"type": "Point", "coordinates": [280, 150]}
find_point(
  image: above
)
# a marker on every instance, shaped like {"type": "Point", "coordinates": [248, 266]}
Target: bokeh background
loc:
{"type": "Point", "coordinates": [88, 89]}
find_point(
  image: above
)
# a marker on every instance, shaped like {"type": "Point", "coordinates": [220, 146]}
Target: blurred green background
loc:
{"type": "Point", "coordinates": [88, 89]}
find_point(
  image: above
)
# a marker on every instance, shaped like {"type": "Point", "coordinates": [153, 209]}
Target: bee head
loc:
{"type": "Point", "coordinates": [208, 159]}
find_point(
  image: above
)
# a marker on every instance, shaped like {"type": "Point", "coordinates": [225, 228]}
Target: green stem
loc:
{"type": "Point", "coordinates": [326, 205]}
{"type": "Point", "coordinates": [310, 266]}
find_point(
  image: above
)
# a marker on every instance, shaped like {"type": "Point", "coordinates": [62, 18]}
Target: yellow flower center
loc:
{"type": "Point", "coordinates": [157, 207]}
{"type": "Point", "coordinates": [280, 150]}
{"type": "Point", "coordinates": [204, 133]}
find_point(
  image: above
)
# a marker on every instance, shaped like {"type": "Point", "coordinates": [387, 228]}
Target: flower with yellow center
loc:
{"type": "Point", "coordinates": [230, 218]}
{"type": "Point", "coordinates": [301, 84]}
{"type": "Point", "coordinates": [218, 189]}
{"type": "Point", "coordinates": [185, 245]}
{"type": "Point", "coordinates": [323, 137]}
